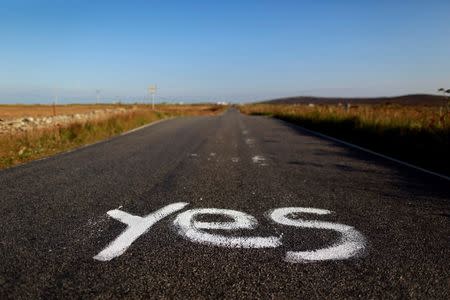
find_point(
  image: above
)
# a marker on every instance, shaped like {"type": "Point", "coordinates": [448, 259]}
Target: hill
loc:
{"type": "Point", "coordinates": [415, 99]}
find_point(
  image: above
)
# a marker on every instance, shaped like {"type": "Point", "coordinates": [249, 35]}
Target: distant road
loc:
{"type": "Point", "coordinates": [229, 206]}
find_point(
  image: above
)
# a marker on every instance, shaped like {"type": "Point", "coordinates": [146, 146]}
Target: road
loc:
{"type": "Point", "coordinates": [371, 228]}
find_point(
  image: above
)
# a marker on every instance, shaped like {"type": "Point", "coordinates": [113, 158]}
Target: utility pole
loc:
{"type": "Point", "coordinates": [97, 92]}
{"type": "Point", "coordinates": [152, 91]}
{"type": "Point", "coordinates": [55, 100]}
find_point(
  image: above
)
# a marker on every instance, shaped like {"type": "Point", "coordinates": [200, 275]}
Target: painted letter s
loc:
{"type": "Point", "coordinates": [351, 242]}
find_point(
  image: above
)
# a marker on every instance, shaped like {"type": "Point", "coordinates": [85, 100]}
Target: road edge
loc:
{"type": "Point", "coordinates": [442, 176]}
{"type": "Point", "coordinates": [88, 145]}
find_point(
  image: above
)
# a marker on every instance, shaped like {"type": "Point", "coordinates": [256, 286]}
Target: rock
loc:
{"type": "Point", "coordinates": [22, 150]}
{"type": "Point", "coordinates": [31, 123]}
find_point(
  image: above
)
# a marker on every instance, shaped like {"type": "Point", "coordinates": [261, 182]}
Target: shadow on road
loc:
{"type": "Point", "coordinates": [410, 179]}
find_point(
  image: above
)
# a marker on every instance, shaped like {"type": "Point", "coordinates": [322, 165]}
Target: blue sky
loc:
{"type": "Point", "coordinates": [221, 50]}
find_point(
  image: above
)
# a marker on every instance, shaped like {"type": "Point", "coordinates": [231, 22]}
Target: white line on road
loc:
{"type": "Point", "coordinates": [88, 145]}
{"type": "Point", "coordinates": [259, 159]}
{"type": "Point", "coordinates": [145, 126]}
{"type": "Point", "coordinates": [249, 142]}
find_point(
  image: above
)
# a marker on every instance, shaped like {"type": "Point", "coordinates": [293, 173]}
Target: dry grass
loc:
{"type": "Point", "coordinates": [16, 148]}
{"type": "Point", "coordinates": [418, 134]}
{"type": "Point", "coordinates": [15, 111]}
{"type": "Point", "coordinates": [190, 110]}
{"type": "Point", "coordinates": [418, 117]}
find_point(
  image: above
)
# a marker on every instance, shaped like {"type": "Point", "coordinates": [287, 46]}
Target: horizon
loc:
{"type": "Point", "coordinates": [233, 52]}
{"type": "Point", "coordinates": [143, 101]}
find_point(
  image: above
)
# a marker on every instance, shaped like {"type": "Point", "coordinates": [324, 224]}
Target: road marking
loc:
{"type": "Point", "coordinates": [136, 226]}
{"type": "Point", "coordinates": [192, 230]}
{"type": "Point", "coordinates": [259, 159]}
{"type": "Point", "coordinates": [351, 242]}
{"type": "Point", "coordinates": [235, 159]}
{"type": "Point", "coordinates": [145, 126]}
{"type": "Point", "coordinates": [249, 142]}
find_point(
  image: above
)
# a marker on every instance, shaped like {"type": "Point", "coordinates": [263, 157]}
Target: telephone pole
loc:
{"type": "Point", "coordinates": [152, 91]}
{"type": "Point", "coordinates": [55, 101]}
{"type": "Point", "coordinates": [97, 92]}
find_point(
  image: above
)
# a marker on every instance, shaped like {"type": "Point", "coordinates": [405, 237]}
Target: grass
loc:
{"type": "Point", "coordinates": [416, 134]}
{"type": "Point", "coordinates": [17, 148]}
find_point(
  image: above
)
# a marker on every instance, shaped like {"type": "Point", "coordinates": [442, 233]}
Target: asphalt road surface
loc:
{"type": "Point", "coordinates": [360, 227]}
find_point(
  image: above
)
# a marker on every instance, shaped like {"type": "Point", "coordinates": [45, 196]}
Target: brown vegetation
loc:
{"type": "Point", "coordinates": [14, 111]}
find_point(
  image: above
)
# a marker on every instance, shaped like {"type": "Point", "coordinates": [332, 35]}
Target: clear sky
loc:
{"type": "Point", "coordinates": [221, 50]}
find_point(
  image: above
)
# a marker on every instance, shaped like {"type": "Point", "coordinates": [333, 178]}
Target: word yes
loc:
{"type": "Point", "coordinates": [350, 243]}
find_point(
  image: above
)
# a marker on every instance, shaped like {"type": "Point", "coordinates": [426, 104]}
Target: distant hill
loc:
{"type": "Point", "coordinates": [416, 99]}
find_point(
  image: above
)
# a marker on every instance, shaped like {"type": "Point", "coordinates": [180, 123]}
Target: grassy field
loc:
{"type": "Point", "coordinates": [8, 111]}
{"type": "Point", "coordinates": [416, 134]}
{"type": "Point", "coordinates": [16, 148]}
